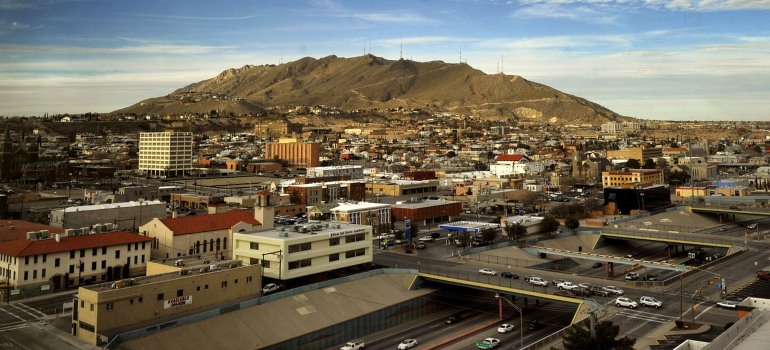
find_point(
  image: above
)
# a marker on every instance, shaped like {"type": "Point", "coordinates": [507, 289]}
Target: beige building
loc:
{"type": "Point", "coordinates": [639, 153]}
{"type": "Point", "coordinates": [105, 310]}
{"type": "Point", "coordinates": [302, 250]}
{"type": "Point", "coordinates": [59, 261]}
{"type": "Point", "coordinates": [303, 155]}
{"type": "Point", "coordinates": [166, 153]}
{"type": "Point", "coordinates": [376, 215]}
{"type": "Point", "coordinates": [209, 234]}
{"type": "Point", "coordinates": [273, 129]}
{"type": "Point", "coordinates": [397, 188]}
{"type": "Point", "coordinates": [632, 177]}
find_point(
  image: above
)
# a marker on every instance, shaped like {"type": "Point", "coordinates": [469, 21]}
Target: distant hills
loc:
{"type": "Point", "coordinates": [370, 82]}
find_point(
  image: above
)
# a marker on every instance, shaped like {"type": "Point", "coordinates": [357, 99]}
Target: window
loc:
{"type": "Point", "coordinates": [94, 251]}
{"type": "Point", "coordinates": [160, 297]}
{"type": "Point", "coordinates": [224, 284]}
{"type": "Point", "coordinates": [354, 253]}
{"type": "Point", "coordinates": [141, 299]}
{"type": "Point", "coordinates": [296, 248]}
{"type": "Point", "coordinates": [129, 247]}
{"type": "Point", "coordinates": [26, 275]}
{"type": "Point", "coordinates": [34, 259]}
{"type": "Point", "coordinates": [34, 274]}
{"type": "Point", "coordinates": [72, 268]}
{"type": "Point", "coordinates": [93, 266]}
{"type": "Point", "coordinates": [57, 262]}
{"type": "Point", "coordinates": [104, 250]}
{"type": "Point", "coordinates": [26, 260]}
{"type": "Point", "coordinates": [92, 307]}
{"type": "Point", "coordinates": [334, 241]}
{"type": "Point", "coordinates": [110, 306]}
{"type": "Point", "coordinates": [117, 254]}
{"type": "Point", "coordinates": [72, 254]}
{"type": "Point", "coordinates": [179, 292]}
{"type": "Point", "coordinates": [334, 257]}
{"type": "Point", "coordinates": [355, 238]}
{"type": "Point", "coordinates": [299, 264]}
{"type": "Point", "coordinates": [236, 281]}
{"type": "Point", "coordinates": [42, 273]}
{"type": "Point", "coordinates": [248, 279]}
{"type": "Point", "coordinates": [254, 245]}
{"type": "Point", "coordinates": [104, 264]}
{"type": "Point", "coordinates": [82, 253]}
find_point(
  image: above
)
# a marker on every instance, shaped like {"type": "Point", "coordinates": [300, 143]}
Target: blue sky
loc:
{"type": "Point", "coordinates": [651, 59]}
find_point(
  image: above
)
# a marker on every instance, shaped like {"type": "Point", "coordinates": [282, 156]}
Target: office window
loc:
{"type": "Point", "coordinates": [334, 241]}
{"type": "Point", "coordinates": [94, 251]}
{"type": "Point", "coordinates": [160, 297]}
{"type": "Point", "coordinates": [179, 292]}
{"type": "Point", "coordinates": [117, 254]}
{"type": "Point", "coordinates": [104, 264]}
{"type": "Point", "coordinates": [296, 248]}
{"type": "Point", "coordinates": [72, 268]}
{"type": "Point", "coordinates": [354, 253]}
{"type": "Point", "coordinates": [93, 266]}
{"type": "Point", "coordinates": [57, 262]}
{"type": "Point", "coordinates": [299, 264]}
{"type": "Point", "coordinates": [110, 306]}
{"type": "Point", "coordinates": [26, 260]}
{"type": "Point", "coordinates": [26, 275]}
{"type": "Point", "coordinates": [249, 279]}
{"type": "Point", "coordinates": [72, 254]}
{"type": "Point", "coordinates": [355, 238]}
{"type": "Point", "coordinates": [334, 257]}
{"type": "Point", "coordinates": [82, 253]}
{"type": "Point", "coordinates": [104, 250]}
{"type": "Point", "coordinates": [42, 273]}
{"type": "Point", "coordinates": [224, 284]}
{"type": "Point", "coordinates": [254, 245]}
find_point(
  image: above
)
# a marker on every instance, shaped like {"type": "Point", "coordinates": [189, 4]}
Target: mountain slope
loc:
{"type": "Point", "coordinates": [368, 82]}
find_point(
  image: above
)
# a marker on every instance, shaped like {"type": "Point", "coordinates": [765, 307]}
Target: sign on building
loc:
{"type": "Point", "coordinates": [178, 301]}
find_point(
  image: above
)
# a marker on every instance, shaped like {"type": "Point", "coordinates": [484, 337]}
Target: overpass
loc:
{"type": "Point", "coordinates": [583, 306]}
{"type": "Point", "coordinates": [731, 209]}
{"type": "Point", "coordinates": [730, 244]}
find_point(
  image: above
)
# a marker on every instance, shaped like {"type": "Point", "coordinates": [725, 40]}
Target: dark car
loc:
{"type": "Point", "coordinates": [597, 264]}
{"type": "Point", "coordinates": [452, 319]}
{"type": "Point", "coordinates": [509, 275]}
{"type": "Point", "coordinates": [597, 290]}
{"type": "Point", "coordinates": [535, 325]}
{"type": "Point", "coordinates": [421, 245]}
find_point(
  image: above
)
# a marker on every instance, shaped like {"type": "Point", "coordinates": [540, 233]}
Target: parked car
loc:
{"type": "Point", "coordinates": [505, 328]}
{"type": "Point", "coordinates": [584, 285]}
{"type": "Point", "coordinates": [486, 271]}
{"type": "Point", "coordinates": [509, 275]}
{"type": "Point", "coordinates": [421, 245]}
{"type": "Point", "coordinates": [597, 265]}
{"type": "Point", "coordinates": [625, 302]}
{"type": "Point", "coordinates": [426, 239]}
{"type": "Point", "coordinates": [567, 285]}
{"type": "Point", "coordinates": [651, 302]}
{"type": "Point", "coordinates": [354, 345]}
{"type": "Point", "coordinates": [596, 290]}
{"type": "Point", "coordinates": [763, 275]}
{"type": "Point", "coordinates": [614, 290]}
{"type": "Point", "coordinates": [632, 276]}
{"type": "Point", "coordinates": [727, 304]}
{"type": "Point", "coordinates": [537, 281]}
{"type": "Point", "coordinates": [270, 287]}
{"type": "Point", "coordinates": [407, 344]}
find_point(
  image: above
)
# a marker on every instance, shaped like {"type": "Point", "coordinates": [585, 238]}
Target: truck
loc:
{"type": "Point", "coordinates": [353, 345]}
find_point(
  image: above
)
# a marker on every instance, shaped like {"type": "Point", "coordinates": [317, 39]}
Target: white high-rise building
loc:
{"type": "Point", "coordinates": [166, 153]}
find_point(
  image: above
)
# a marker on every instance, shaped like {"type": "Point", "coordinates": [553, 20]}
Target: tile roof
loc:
{"type": "Point", "coordinates": [16, 229]}
{"type": "Point", "coordinates": [26, 247]}
{"type": "Point", "coordinates": [206, 223]}
{"type": "Point", "coordinates": [509, 157]}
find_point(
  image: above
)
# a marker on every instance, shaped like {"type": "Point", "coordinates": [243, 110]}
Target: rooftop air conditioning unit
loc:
{"type": "Point", "coordinates": [45, 233]}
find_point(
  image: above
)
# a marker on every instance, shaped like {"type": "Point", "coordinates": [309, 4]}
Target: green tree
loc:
{"type": "Point", "coordinates": [488, 234]}
{"type": "Point", "coordinates": [633, 164]}
{"type": "Point", "coordinates": [465, 238]}
{"type": "Point", "coordinates": [649, 164]}
{"type": "Point", "coordinates": [549, 224]}
{"type": "Point", "coordinates": [515, 230]}
{"type": "Point", "coordinates": [579, 338]}
{"type": "Point", "coordinates": [572, 223]}
{"type": "Point", "coordinates": [678, 177]}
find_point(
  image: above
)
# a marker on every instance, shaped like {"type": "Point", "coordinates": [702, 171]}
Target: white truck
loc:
{"type": "Point", "coordinates": [566, 285]}
{"type": "Point", "coordinates": [353, 345]}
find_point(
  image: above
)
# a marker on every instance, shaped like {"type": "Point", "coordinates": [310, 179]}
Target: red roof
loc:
{"type": "Point", "coordinates": [206, 223]}
{"type": "Point", "coordinates": [25, 247]}
{"type": "Point", "coordinates": [509, 157]}
{"type": "Point", "coordinates": [17, 229]}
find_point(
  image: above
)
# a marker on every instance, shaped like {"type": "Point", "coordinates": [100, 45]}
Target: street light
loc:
{"type": "Point", "coordinates": [521, 317]}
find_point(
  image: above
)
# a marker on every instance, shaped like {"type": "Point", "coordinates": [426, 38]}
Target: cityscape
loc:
{"type": "Point", "coordinates": [337, 174]}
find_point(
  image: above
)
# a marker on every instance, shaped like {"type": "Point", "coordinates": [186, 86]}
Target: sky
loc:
{"type": "Point", "coordinates": [651, 59]}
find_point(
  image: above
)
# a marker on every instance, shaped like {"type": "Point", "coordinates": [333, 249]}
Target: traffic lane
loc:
{"type": "Point", "coordinates": [36, 335]}
{"type": "Point", "coordinates": [52, 305]}
{"type": "Point", "coordinates": [550, 322]}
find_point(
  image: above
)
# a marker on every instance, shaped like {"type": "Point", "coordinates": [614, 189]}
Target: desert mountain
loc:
{"type": "Point", "coordinates": [370, 82]}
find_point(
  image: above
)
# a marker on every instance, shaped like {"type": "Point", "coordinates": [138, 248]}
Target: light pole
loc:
{"type": "Point", "coordinates": [141, 201]}
{"type": "Point", "coordinates": [521, 317]}
{"type": "Point", "coordinates": [280, 261]}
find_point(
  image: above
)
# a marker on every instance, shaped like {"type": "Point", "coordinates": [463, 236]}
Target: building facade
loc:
{"type": "Point", "coordinates": [376, 215]}
{"type": "Point", "coordinates": [352, 172]}
{"type": "Point", "coordinates": [303, 250]}
{"type": "Point", "coordinates": [126, 216]}
{"type": "Point", "coordinates": [165, 154]}
{"type": "Point", "coordinates": [632, 177]}
{"type": "Point", "coordinates": [299, 155]}
{"type": "Point", "coordinates": [639, 153]}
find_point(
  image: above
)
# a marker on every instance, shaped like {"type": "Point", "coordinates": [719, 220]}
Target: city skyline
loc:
{"type": "Point", "coordinates": [667, 60]}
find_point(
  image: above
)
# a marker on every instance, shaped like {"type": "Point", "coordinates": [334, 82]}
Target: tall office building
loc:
{"type": "Point", "coordinates": [166, 153]}
{"type": "Point", "coordinates": [300, 155]}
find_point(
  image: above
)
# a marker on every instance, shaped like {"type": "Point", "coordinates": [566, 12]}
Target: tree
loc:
{"type": "Point", "coordinates": [465, 238]}
{"type": "Point", "coordinates": [572, 223]}
{"type": "Point", "coordinates": [549, 224]}
{"type": "Point", "coordinates": [649, 164]}
{"type": "Point", "coordinates": [579, 338]}
{"type": "Point", "coordinates": [515, 230]}
{"type": "Point", "coordinates": [633, 164]}
{"type": "Point", "coordinates": [488, 234]}
{"type": "Point", "coordinates": [679, 177]}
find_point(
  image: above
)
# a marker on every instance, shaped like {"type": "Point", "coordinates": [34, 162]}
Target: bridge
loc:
{"type": "Point", "coordinates": [731, 209]}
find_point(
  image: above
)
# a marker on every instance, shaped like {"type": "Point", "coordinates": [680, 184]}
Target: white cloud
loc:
{"type": "Point", "coordinates": [573, 13]}
{"type": "Point", "coordinates": [687, 5]}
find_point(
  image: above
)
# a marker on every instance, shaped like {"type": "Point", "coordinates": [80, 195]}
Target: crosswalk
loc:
{"type": "Point", "coordinates": [645, 316]}
{"type": "Point", "coordinates": [17, 315]}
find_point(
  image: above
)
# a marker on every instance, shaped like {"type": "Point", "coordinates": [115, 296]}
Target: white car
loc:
{"type": "Point", "coordinates": [537, 281]}
{"type": "Point", "coordinates": [584, 285]}
{"type": "Point", "coordinates": [407, 344]}
{"type": "Point", "coordinates": [625, 302]}
{"type": "Point", "coordinates": [727, 304]}
{"type": "Point", "coordinates": [270, 287]}
{"type": "Point", "coordinates": [426, 239]}
{"type": "Point", "coordinates": [613, 290]}
{"type": "Point", "coordinates": [489, 343]}
{"type": "Point", "coordinates": [505, 328]}
{"type": "Point", "coordinates": [567, 285]}
{"type": "Point", "coordinates": [486, 271]}
{"type": "Point", "coordinates": [651, 302]}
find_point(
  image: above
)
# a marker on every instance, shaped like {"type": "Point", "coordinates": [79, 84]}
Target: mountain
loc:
{"type": "Point", "coordinates": [369, 82]}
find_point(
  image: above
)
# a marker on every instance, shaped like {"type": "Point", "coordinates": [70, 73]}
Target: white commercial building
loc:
{"type": "Point", "coordinates": [164, 154]}
{"type": "Point", "coordinates": [294, 251]}
{"type": "Point", "coordinates": [354, 171]}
